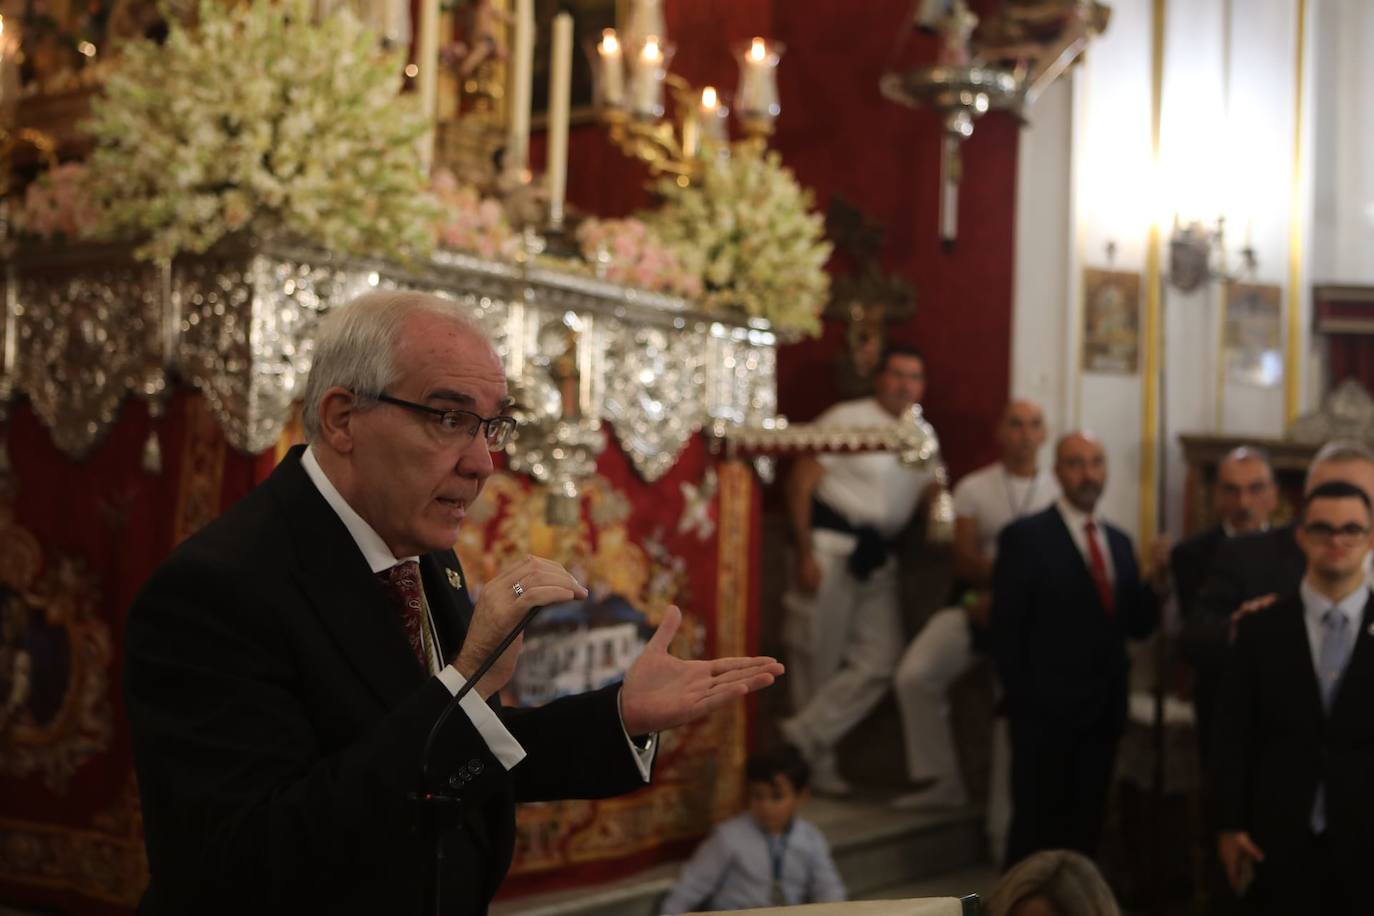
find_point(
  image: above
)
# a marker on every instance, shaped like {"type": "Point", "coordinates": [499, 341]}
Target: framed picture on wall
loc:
{"type": "Point", "coordinates": [1253, 329]}
{"type": "Point", "coordinates": [1111, 321]}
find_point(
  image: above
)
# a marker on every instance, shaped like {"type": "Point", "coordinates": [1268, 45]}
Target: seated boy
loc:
{"type": "Point", "coordinates": [766, 856]}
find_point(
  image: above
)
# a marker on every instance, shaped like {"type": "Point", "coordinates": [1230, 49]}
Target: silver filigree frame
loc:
{"type": "Point", "coordinates": [87, 326]}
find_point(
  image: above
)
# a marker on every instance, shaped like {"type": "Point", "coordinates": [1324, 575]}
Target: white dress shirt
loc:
{"type": "Point", "coordinates": [379, 558]}
{"type": "Point", "coordinates": [1076, 520]}
{"type": "Point", "coordinates": [1315, 605]}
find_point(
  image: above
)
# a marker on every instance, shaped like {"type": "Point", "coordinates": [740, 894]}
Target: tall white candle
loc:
{"type": "Point", "coordinates": [647, 85]}
{"type": "Point", "coordinates": [427, 59]}
{"type": "Point", "coordinates": [611, 69]}
{"type": "Point", "coordinates": [518, 145]}
{"type": "Point", "coordinates": [560, 94]}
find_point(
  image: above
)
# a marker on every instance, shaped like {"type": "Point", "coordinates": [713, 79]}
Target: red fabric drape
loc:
{"type": "Point", "coordinates": [840, 136]}
{"type": "Point", "coordinates": [1351, 356]}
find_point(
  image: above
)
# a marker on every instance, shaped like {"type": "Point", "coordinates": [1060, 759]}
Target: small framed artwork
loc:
{"type": "Point", "coordinates": [1111, 321]}
{"type": "Point", "coordinates": [1254, 353]}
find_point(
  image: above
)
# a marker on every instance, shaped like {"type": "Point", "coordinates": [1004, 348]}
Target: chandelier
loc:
{"type": "Point", "coordinates": [1016, 55]}
{"type": "Point", "coordinates": [630, 78]}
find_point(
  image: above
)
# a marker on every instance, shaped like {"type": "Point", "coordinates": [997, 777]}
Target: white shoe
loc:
{"type": "Point", "coordinates": [826, 778]}
{"type": "Point", "coordinates": [825, 770]}
{"type": "Point", "coordinates": [938, 796]}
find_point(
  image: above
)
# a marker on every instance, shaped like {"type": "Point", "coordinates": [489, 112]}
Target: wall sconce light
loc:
{"type": "Point", "coordinates": [1192, 249]}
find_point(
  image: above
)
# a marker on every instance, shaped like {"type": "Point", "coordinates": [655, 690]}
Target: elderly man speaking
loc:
{"type": "Point", "coordinates": [286, 663]}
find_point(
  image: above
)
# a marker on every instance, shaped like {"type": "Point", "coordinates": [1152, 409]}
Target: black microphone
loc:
{"type": "Point", "coordinates": [431, 802]}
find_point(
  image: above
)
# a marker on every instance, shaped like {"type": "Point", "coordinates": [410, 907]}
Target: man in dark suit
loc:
{"type": "Point", "coordinates": [1250, 571]}
{"type": "Point", "coordinates": [286, 663]}
{"type": "Point", "coordinates": [1244, 497]}
{"type": "Point", "coordinates": [1296, 738]}
{"type": "Point", "coordinates": [1066, 594]}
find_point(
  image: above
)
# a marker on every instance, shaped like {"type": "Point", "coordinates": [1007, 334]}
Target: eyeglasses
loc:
{"type": "Point", "coordinates": [463, 424]}
{"type": "Point", "coordinates": [1321, 531]}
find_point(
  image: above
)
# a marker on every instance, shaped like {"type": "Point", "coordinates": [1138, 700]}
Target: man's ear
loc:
{"type": "Point", "coordinates": [337, 412]}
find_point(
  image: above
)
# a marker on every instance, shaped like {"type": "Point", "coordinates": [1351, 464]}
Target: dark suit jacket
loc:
{"type": "Point", "coordinates": [278, 717]}
{"type": "Point", "coordinates": [1190, 560]}
{"type": "Point", "coordinates": [1061, 657]}
{"type": "Point", "coordinates": [1245, 566]}
{"type": "Point", "coordinates": [1277, 742]}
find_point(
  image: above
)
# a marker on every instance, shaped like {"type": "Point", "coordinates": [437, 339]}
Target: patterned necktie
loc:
{"type": "Point", "coordinates": [1330, 665]}
{"type": "Point", "coordinates": [1098, 567]}
{"type": "Point", "coordinates": [402, 583]}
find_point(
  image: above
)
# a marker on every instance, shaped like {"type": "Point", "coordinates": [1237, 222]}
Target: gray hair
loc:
{"type": "Point", "coordinates": [1068, 880]}
{"type": "Point", "coordinates": [355, 347]}
{"type": "Point", "coordinates": [1248, 453]}
{"type": "Point", "coordinates": [1339, 451]}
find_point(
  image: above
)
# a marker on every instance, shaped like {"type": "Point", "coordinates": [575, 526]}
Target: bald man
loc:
{"type": "Point", "coordinates": [985, 502]}
{"type": "Point", "coordinates": [1066, 594]}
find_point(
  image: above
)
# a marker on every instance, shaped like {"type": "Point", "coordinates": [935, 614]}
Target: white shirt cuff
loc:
{"type": "Point", "coordinates": [500, 742]}
{"type": "Point", "coordinates": [644, 756]}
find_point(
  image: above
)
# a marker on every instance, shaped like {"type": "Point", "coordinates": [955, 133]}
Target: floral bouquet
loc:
{"type": "Point", "coordinates": [58, 206]}
{"type": "Point", "coordinates": [470, 222]}
{"type": "Point", "coordinates": [627, 251]}
{"type": "Point", "coordinates": [257, 119]}
{"type": "Point", "coordinates": [747, 228]}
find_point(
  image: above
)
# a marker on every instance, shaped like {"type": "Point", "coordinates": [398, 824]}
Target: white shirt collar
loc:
{"type": "Point", "coordinates": [1231, 532]}
{"type": "Point", "coordinates": [379, 556]}
{"type": "Point", "coordinates": [1315, 604]}
{"type": "Point", "coordinates": [1075, 517]}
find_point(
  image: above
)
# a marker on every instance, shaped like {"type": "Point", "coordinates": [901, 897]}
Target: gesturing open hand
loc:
{"type": "Point", "coordinates": [662, 692]}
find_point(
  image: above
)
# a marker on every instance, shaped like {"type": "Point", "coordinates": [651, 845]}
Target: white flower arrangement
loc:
{"type": "Point", "coordinates": [748, 229]}
{"type": "Point", "coordinates": [258, 119]}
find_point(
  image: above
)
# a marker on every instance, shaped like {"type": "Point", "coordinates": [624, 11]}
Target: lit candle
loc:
{"type": "Point", "coordinates": [518, 144]}
{"type": "Point", "coordinates": [648, 79]}
{"type": "Point", "coordinates": [560, 93]}
{"type": "Point", "coordinates": [427, 58]}
{"type": "Point", "coordinates": [611, 69]}
{"type": "Point", "coordinates": [758, 86]}
{"type": "Point", "coordinates": [712, 115]}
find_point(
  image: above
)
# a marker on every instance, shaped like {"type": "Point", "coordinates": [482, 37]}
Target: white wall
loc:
{"type": "Point", "coordinates": [1088, 177]}
{"type": "Point", "coordinates": [1343, 147]}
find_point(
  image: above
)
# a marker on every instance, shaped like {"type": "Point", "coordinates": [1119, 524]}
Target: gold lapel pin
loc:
{"type": "Point", "coordinates": [454, 578]}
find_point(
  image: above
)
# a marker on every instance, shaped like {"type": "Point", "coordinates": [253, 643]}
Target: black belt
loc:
{"type": "Point", "coordinates": [872, 548]}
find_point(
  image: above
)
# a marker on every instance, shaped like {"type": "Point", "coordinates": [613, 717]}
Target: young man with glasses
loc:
{"type": "Point", "coordinates": [286, 663]}
{"type": "Point", "coordinates": [1296, 739]}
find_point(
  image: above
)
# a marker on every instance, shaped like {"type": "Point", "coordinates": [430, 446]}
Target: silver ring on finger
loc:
{"type": "Point", "coordinates": [518, 589]}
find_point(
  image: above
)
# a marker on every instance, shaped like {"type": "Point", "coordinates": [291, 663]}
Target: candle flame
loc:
{"type": "Point", "coordinates": [652, 53]}
{"type": "Point", "coordinates": [2, 26]}
{"type": "Point", "coordinates": [708, 97]}
{"type": "Point", "coordinates": [758, 50]}
{"type": "Point", "coordinates": [610, 44]}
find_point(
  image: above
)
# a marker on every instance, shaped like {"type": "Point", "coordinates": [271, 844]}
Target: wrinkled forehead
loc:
{"type": "Point", "coordinates": [1079, 448]}
{"type": "Point", "coordinates": [1243, 471]}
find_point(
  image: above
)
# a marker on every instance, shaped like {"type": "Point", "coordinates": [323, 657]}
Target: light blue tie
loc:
{"type": "Point", "coordinates": [1330, 665]}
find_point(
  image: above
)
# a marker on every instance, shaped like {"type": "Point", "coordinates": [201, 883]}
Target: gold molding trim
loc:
{"type": "Point", "coordinates": [1149, 361]}
{"type": "Point", "coordinates": [1292, 383]}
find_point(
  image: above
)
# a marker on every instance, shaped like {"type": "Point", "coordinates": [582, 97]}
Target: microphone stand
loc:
{"type": "Point", "coordinates": [435, 803]}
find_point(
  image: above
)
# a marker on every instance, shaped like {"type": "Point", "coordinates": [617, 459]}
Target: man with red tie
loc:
{"type": "Point", "coordinates": [1066, 596]}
